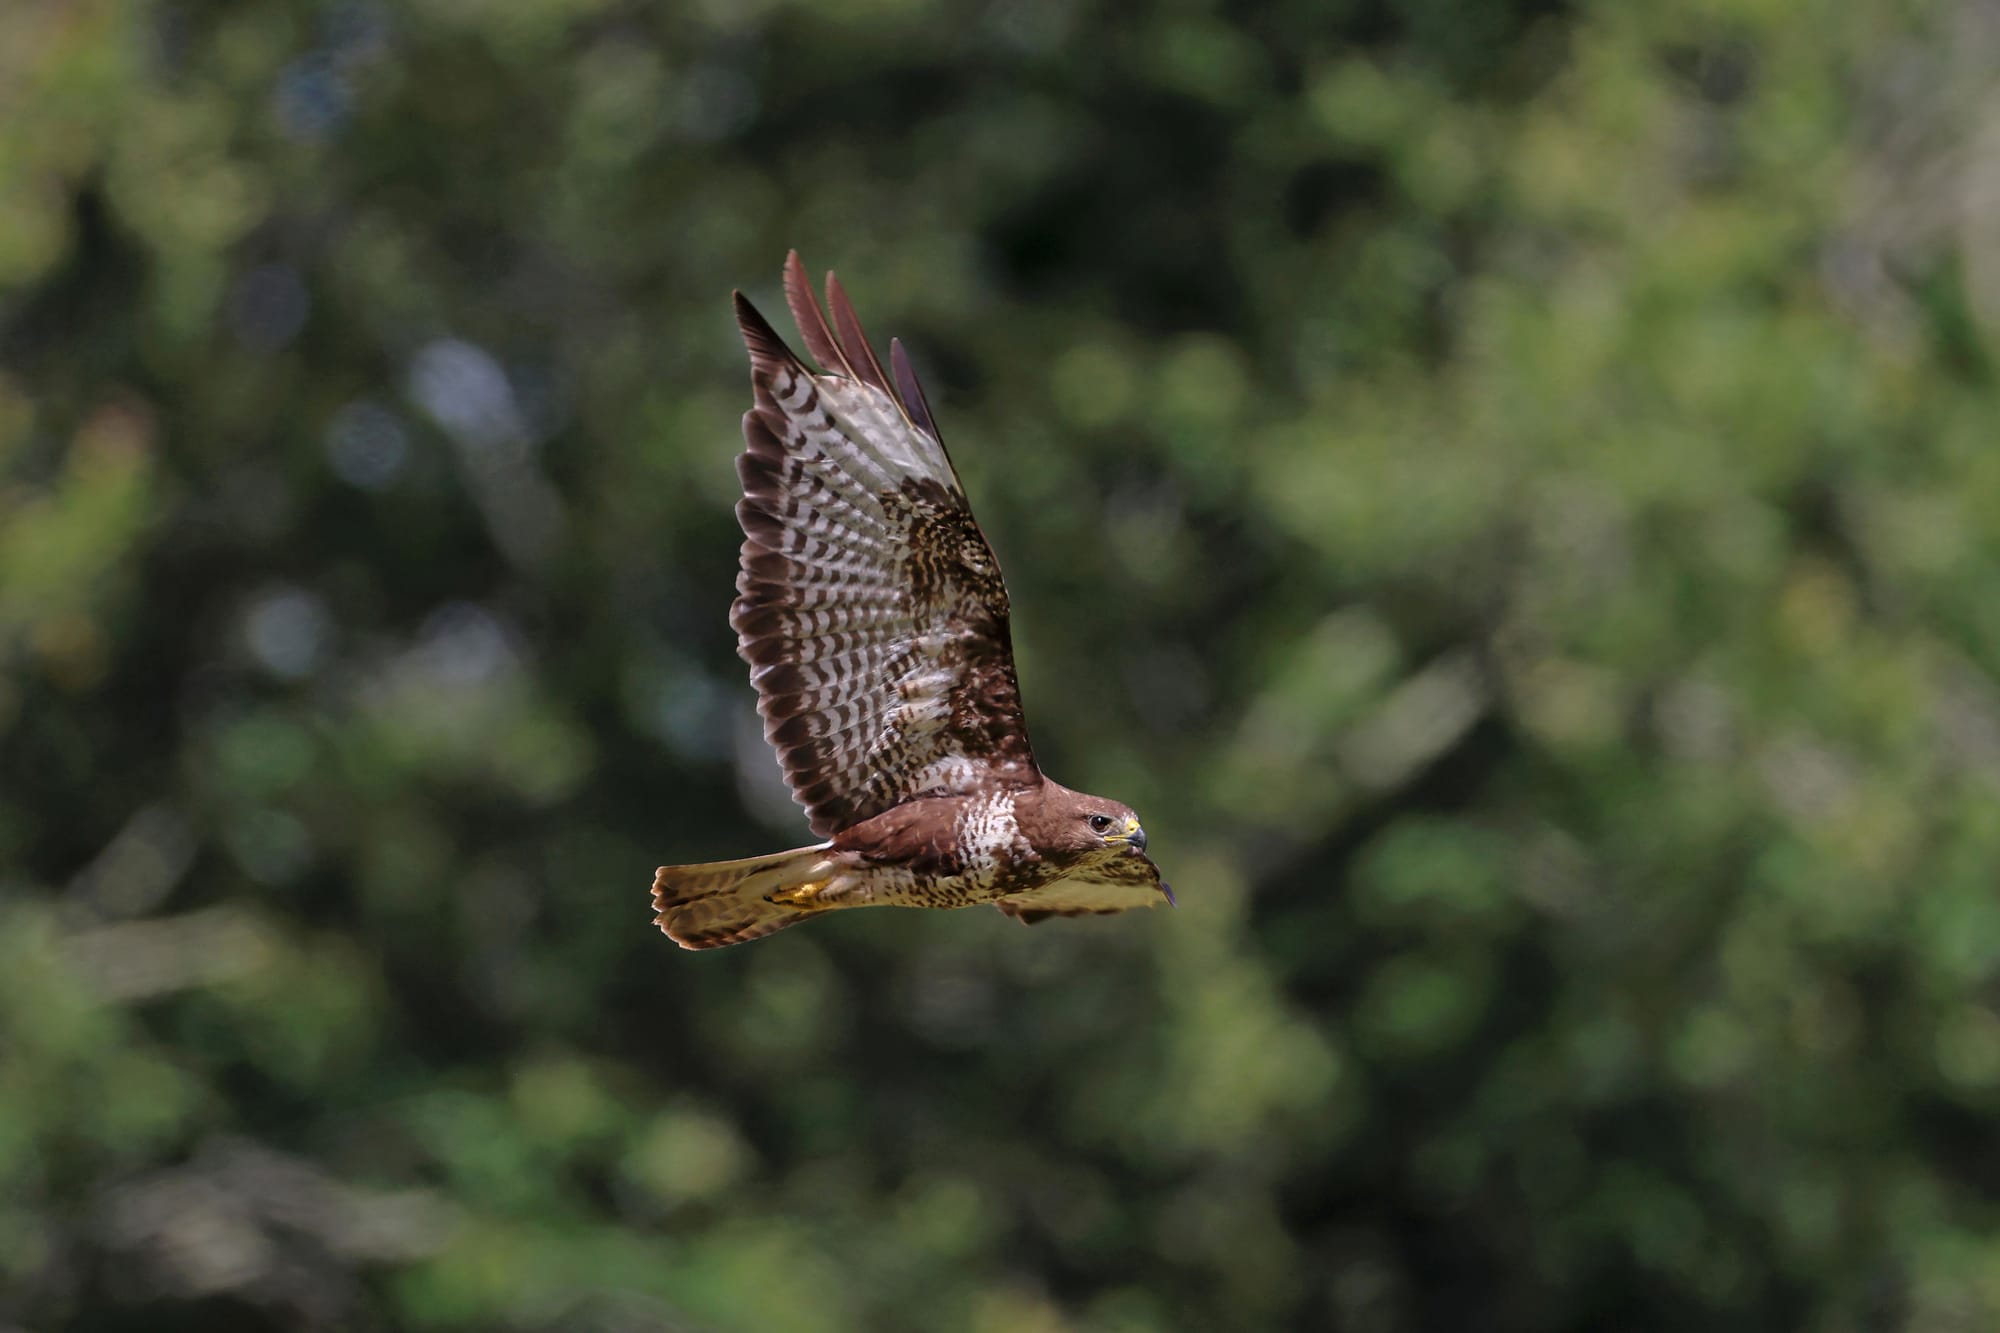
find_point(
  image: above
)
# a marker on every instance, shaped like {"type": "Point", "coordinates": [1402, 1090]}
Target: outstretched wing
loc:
{"type": "Point", "coordinates": [1126, 881]}
{"type": "Point", "coordinates": [871, 609]}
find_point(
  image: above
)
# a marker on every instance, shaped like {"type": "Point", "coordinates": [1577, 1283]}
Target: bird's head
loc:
{"type": "Point", "coordinates": [1098, 826]}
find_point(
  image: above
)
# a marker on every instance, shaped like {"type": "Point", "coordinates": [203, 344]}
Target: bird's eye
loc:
{"type": "Point", "coordinates": [1100, 823]}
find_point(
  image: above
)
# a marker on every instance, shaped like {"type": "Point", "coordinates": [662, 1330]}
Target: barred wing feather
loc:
{"type": "Point", "coordinates": [870, 609]}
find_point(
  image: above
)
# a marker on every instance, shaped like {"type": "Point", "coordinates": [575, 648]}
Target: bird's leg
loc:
{"type": "Point", "coordinates": [801, 897]}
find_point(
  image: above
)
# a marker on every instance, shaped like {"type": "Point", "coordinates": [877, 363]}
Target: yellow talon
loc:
{"type": "Point", "coordinates": [803, 897]}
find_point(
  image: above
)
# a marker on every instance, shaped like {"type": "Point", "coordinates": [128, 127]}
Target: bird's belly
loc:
{"type": "Point", "coordinates": [888, 885]}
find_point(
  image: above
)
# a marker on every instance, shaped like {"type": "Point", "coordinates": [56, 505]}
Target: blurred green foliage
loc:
{"type": "Point", "coordinates": [1508, 488]}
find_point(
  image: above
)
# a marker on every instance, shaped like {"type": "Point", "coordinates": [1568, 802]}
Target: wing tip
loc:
{"type": "Point", "coordinates": [853, 338]}
{"type": "Point", "coordinates": [806, 313]}
{"type": "Point", "coordinates": [910, 391]}
{"type": "Point", "coordinates": [768, 351]}
{"type": "Point", "coordinates": [841, 346]}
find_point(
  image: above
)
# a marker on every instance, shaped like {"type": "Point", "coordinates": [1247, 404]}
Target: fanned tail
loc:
{"type": "Point", "coordinates": [731, 902]}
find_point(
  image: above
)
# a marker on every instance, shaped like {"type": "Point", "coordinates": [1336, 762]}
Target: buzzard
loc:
{"type": "Point", "coordinates": [874, 620]}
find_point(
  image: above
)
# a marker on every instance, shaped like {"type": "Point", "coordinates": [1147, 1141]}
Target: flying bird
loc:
{"type": "Point", "coordinates": [874, 619]}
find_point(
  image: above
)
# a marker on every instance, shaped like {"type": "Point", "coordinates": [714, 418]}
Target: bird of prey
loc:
{"type": "Point", "coordinates": [874, 620]}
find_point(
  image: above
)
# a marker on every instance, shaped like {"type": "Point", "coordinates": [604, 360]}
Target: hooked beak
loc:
{"type": "Point", "coordinates": [1133, 836]}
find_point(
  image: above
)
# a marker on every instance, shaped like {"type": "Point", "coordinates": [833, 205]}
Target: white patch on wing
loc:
{"type": "Point", "coordinates": [875, 425]}
{"type": "Point", "coordinates": [792, 389]}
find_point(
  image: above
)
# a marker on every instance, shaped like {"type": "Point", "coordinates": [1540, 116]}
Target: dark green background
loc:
{"type": "Point", "coordinates": [1510, 492]}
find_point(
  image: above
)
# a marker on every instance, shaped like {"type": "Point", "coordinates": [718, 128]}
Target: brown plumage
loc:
{"type": "Point", "coordinates": [875, 622]}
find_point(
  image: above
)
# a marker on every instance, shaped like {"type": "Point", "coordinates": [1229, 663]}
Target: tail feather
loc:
{"type": "Point", "coordinates": [732, 902]}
